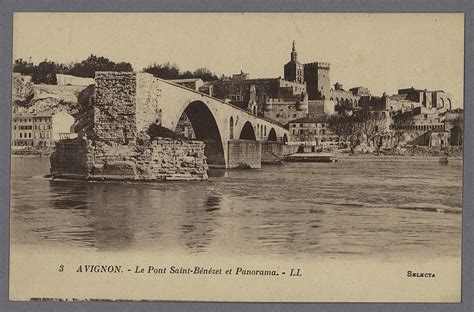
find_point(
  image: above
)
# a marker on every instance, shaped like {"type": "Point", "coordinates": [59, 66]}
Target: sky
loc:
{"type": "Point", "coordinates": [384, 52]}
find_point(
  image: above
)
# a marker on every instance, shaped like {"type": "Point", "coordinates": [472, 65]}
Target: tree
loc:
{"type": "Point", "coordinates": [371, 124]}
{"type": "Point", "coordinates": [45, 72]}
{"type": "Point", "coordinates": [165, 71]}
{"type": "Point", "coordinates": [456, 131]}
{"type": "Point", "coordinates": [205, 74]}
{"type": "Point", "coordinates": [89, 66]}
{"type": "Point", "coordinates": [400, 127]}
{"type": "Point", "coordinates": [364, 124]}
{"type": "Point", "coordinates": [23, 67]}
{"type": "Point", "coordinates": [168, 71]}
{"type": "Point", "coordinates": [345, 127]}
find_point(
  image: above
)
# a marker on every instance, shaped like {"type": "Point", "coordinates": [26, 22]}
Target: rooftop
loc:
{"type": "Point", "coordinates": [315, 119]}
{"type": "Point", "coordinates": [398, 97]}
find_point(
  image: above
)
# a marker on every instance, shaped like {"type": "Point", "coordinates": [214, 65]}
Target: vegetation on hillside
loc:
{"type": "Point", "coordinates": [171, 71]}
{"type": "Point", "coordinates": [45, 72]}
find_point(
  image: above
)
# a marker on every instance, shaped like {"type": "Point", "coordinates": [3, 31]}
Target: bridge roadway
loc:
{"type": "Point", "coordinates": [214, 121]}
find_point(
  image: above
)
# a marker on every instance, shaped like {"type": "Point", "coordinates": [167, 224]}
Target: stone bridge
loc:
{"type": "Point", "coordinates": [138, 100]}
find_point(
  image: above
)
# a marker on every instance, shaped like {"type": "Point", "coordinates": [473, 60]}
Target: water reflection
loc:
{"type": "Point", "coordinates": [200, 222]}
{"type": "Point", "coordinates": [298, 210]}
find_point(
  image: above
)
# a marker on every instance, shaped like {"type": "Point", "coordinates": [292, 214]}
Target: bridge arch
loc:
{"type": "Point", "coordinates": [272, 136]}
{"type": "Point", "coordinates": [247, 132]}
{"type": "Point", "coordinates": [206, 129]}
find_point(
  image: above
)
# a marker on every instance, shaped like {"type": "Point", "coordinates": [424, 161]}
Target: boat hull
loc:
{"type": "Point", "coordinates": [303, 157]}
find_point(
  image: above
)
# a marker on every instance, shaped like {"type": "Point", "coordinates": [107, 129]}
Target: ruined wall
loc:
{"type": "Point", "coordinates": [114, 107]}
{"type": "Point", "coordinates": [147, 101]}
{"type": "Point", "coordinates": [111, 147]}
{"type": "Point", "coordinates": [73, 158]}
{"type": "Point", "coordinates": [244, 154]}
{"type": "Point", "coordinates": [159, 160]}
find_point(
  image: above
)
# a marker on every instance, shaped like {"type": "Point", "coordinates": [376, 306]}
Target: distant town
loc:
{"type": "Point", "coordinates": [319, 114]}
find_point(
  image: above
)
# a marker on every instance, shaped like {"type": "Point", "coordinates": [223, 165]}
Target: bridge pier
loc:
{"type": "Point", "coordinates": [244, 154]}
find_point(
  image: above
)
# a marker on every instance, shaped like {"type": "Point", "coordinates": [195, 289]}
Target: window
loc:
{"type": "Point", "coordinates": [29, 135]}
{"type": "Point", "coordinates": [21, 135]}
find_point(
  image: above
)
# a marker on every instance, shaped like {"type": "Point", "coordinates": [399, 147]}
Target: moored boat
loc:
{"type": "Point", "coordinates": [311, 157]}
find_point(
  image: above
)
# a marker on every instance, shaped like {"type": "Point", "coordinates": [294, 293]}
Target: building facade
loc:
{"type": "Point", "coordinates": [313, 131]}
{"type": "Point", "coordinates": [275, 98]}
{"type": "Point", "coordinates": [39, 130]}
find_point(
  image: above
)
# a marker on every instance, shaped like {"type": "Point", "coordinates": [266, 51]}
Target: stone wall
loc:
{"type": "Point", "coordinates": [72, 158]}
{"type": "Point", "coordinates": [159, 160]}
{"type": "Point", "coordinates": [147, 101]}
{"type": "Point", "coordinates": [115, 107]}
{"type": "Point", "coordinates": [244, 154]}
{"type": "Point", "coordinates": [272, 149]}
{"type": "Point", "coordinates": [64, 80]}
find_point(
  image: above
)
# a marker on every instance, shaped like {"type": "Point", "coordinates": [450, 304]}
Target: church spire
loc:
{"type": "Point", "coordinates": [294, 55]}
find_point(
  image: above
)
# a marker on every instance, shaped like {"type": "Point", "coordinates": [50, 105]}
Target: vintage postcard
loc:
{"type": "Point", "coordinates": [264, 157]}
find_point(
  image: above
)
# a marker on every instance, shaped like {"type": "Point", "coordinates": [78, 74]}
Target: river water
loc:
{"type": "Point", "coordinates": [352, 208]}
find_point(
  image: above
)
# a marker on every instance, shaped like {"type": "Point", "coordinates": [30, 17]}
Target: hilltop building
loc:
{"type": "Point", "coordinates": [275, 98]}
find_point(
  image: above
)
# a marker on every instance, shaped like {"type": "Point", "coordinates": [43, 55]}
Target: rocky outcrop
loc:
{"type": "Point", "coordinates": [22, 90]}
{"type": "Point", "coordinates": [31, 98]}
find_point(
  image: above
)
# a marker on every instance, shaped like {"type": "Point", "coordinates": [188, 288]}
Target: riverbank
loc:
{"type": "Point", "coordinates": [405, 153]}
{"type": "Point", "coordinates": [372, 157]}
{"type": "Point", "coordinates": [33, 151]}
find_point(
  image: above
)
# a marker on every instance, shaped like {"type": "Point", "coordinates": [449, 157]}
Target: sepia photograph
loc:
{"type": "Point", "coordinates": [263, 157]}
